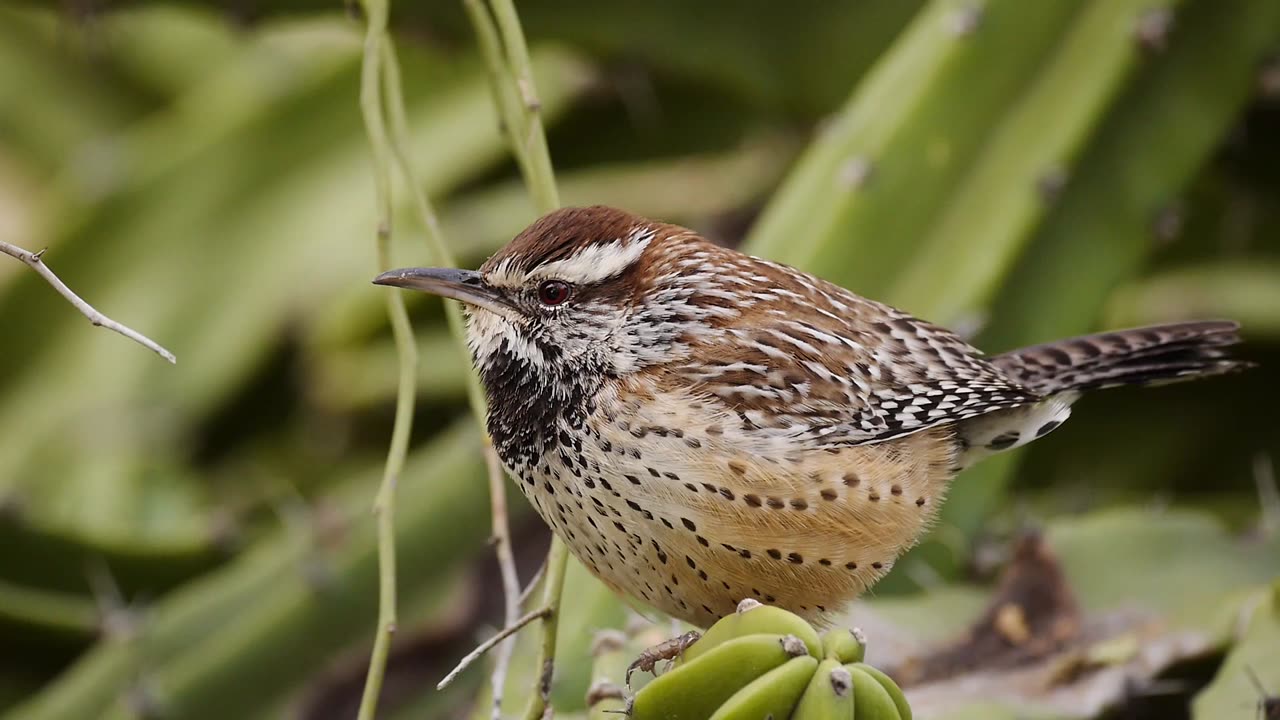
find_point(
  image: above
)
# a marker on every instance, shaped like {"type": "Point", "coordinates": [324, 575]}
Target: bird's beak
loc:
{"type": "Point", "coordinates": [466, 286]}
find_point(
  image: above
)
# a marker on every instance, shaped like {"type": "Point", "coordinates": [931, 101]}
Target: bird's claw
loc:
{"type": "Point", "coordinates": [666, 650]}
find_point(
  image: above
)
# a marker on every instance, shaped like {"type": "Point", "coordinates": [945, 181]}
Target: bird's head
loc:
{"type": "Point", "coordinates": [581, 290]}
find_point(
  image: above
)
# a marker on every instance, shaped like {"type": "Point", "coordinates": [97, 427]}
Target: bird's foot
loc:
{"type": "Point", "coordinates": [665, 650]}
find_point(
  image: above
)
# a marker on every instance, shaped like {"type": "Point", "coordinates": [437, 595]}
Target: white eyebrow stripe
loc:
{"type": "Point", "coordinates": [503, 275]}
{"type": "Point", "coordinates": [594, 263]}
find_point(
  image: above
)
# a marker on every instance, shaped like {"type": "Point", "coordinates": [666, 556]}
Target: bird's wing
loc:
{"type": "Point", "coordinates": [811, 360]}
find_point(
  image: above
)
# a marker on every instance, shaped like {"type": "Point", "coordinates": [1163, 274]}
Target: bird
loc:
{"type": "Point", "coordinates": [701, 426]}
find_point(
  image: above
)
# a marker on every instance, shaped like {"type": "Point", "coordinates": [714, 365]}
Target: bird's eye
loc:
{"type": "Point", "coordinates": [553, 292]}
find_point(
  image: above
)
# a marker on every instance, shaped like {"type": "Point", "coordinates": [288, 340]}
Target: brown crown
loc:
{"type": "Point", "coordinates": [562, 233]}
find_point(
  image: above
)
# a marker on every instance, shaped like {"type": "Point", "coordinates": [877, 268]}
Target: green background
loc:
{"type": "Point", "coordinates": [195, 540]}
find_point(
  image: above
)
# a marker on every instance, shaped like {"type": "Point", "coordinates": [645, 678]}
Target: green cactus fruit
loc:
{"type": "Point", "coordinates": [895, 693]}
{"type": "Point", "coordinates": [753, 618]}
{"type": "Point", "coordinates": [829, 695]}
{"type": "Point", "coordinates": [846, 645]}
{"type": "Point", "coordinates": [773, 694]}
{"type": "Point", "coordinates": [871, 700]}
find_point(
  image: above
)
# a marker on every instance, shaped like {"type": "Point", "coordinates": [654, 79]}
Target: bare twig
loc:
{"type": "Point", "coordinates": [376, 12]}
{"type": "Point", "coordinates": [36, 261]}
{"type": "Point", "coordinates": [534, 581]}
{"type": "Point", "coordinates": [487, 645]}
{"type": "Point", "coordinates": [507, 569]}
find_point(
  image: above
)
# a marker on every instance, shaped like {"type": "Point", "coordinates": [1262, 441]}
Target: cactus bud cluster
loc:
{"type": "Point", "coordinates": [765, 662]}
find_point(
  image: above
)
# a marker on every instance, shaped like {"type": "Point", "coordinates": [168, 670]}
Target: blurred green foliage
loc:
{"type": "Point", "coordinates": [194, 541]}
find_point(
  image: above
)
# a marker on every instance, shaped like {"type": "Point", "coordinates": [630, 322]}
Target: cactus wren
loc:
{"type": "Point", "coordinates": [701, 426]}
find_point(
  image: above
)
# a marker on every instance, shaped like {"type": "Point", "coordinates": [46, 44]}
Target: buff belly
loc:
{"type": "Point", "coordinates": [691, 515]}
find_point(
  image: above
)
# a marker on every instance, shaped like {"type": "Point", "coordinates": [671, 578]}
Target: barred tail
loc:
{"type": "Point", "coordinates": [1141, 356]}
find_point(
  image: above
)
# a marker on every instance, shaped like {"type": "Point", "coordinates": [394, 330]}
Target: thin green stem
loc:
{"type": "Point", "coordinates": [515, 96]}
{"type": "Point", "coordinates": [441, 255]}
{"type": "Point", "coordinates": [552, 589]}
{"type": "Point", "coordinates": [542, 181]}
{"type": "Point", "coordinates": [436, 245]}
{"type": "Point", "coordinates": [511, 120]}
{"type": "Point", "coordinates": [376, 12]}
{"type": "Point", "coordinates": [399, 126]}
